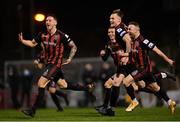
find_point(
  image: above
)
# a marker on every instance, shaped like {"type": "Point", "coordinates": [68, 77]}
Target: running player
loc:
{"type": "Point", "coordinates": [143, 75]}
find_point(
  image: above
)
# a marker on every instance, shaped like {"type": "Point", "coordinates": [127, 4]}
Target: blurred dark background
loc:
{"type": "Point", "coordinates": [86, 22]}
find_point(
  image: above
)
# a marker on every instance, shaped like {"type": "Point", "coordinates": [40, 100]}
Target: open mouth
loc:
{"type": "Point", "coordinates": [48, 26]}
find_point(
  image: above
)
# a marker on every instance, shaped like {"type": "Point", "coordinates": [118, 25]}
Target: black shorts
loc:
{"type": "Point", "coordinates": [51, 84]}
{"type": "Point", "coordinates": [52, 72]}
{"type": "Point", "coordinates": [126, 69]}
{"type": "Point", "coordinates": [143, 74]}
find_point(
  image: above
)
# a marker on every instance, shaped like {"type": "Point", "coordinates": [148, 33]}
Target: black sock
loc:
{"type": "Point", "coordinates": [150, 91]}
{"type": "Point", "coordinates": [146, 90]}
{"type": "Point", "coordinates": [158, 95]}
{"type": "Point", "coordinates": [114, 96]}
{"type": "Point", "coordinates": [76, 87]}
{"type": "Point", "coordinates": [55, 100]}
{"type": "Point", "coordinates": [107, 97]}
{"type": "Point", "coordinates": [163, 94]}
{"type": "Point", "coordinates": [39, 98]}
{"type": "Point", "coordinates": [130, 91]}
{"type": "Point", "coordinates": [60, 93]}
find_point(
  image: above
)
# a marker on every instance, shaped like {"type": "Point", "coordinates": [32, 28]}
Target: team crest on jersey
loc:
{"type": "Point", "coordinates": [119, 30]}
{"type": "Point", "coordinates": [146, 41]}
{"type": "Point", "coordinates": [50, 43]}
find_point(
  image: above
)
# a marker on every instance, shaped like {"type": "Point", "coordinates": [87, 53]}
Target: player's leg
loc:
{"type": "Point", "coordinates": [52, 91]}
{"type": "Point", "coordinates": [62, 94]}
{"type": "Point", "coordinates": [78, 87]}
{"type": "Point", "coordinates": [74, 86]}
{"type": "Point", "coordinates": [49, 72]}
{"type": "Point", "coordinates": [156, 88]}
{"type": "Point", "coordinates": [41, 91]}
{"type": "Point", "coordinates": [117, 80]}
{"type": "Point", "coordinates": [107, 94]}
{"type": "Point", "coordinates": [163, 75]}
{"type": "Point", "coordinates": [130, 87]}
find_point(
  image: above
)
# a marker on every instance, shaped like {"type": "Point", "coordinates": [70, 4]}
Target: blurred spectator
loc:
{"type": "Point", "coordinates": [26, 84]}
{"type": "Point", "coordinates": [106, 72]}
{"type": "Point", "coordinates": [13, 80]}
{"type": "Point", "coordinates": [88, 76]}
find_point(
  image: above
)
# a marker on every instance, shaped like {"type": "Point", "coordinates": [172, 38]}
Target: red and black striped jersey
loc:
{"type": "Point", "coordinates": [121, 30]}
{"type": "Point", "coordinates": [139, 51]}
{"type": "Point", "coordinates": [53, 46]}
{"type": "Point", "coordinates": [114, 49]}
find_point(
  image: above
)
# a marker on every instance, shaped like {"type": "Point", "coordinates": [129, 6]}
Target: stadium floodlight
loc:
{"type": "Point", "coordinates": [39, 17]}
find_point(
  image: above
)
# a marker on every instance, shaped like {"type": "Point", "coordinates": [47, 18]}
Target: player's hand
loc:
{"type": "Point", "coordinates": [36, 61]}
{"type": "Point", "coordinates": [171, 62]}
{"type": "Point", "coordinates": [68, 61]}
{"type": "Point", "coordinates": [20, 35]}
{"type": "Point", "coordinates": [102, 53]}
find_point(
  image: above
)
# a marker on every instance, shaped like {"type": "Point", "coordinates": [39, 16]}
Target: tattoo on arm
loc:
{"type": "Point", "coordinates": [73, 49]}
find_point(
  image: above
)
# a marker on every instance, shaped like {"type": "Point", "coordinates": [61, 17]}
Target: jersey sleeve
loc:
{"type": "Point", "coordinates": [121, 31]}
{"type": "Point", "coordinates": [66, 39]}
{"type": "Point", "coordinates": [148, 44]}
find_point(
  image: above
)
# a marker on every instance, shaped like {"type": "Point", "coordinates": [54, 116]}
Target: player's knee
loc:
{"type": "Point", "coordinates": [108, 84]}
{"type": "Point", "coordinates": [62, 83]}
{"type": "Point", "coordinates": [126, 82]}
{"type": "Point", "coordinates": [154, 87]}
{"type": "Point", "coordinates": [52, 90]}
{"type": "Point", "coordinates": [116, 83]}
{"type": "Point", "coordinates": [42, 82]}
{"type": "Point", "coordinates": [135, 87]}
{"type": "Point", "coordinates": [141, 84]}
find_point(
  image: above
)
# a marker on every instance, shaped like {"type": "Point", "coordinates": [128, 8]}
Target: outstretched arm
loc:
{"type": "Point", "coordinates": [72, 52]}
{"type": "Point", "coordinates": [29, 43]}
{"type": "Point", "coordinates": [161, 54]}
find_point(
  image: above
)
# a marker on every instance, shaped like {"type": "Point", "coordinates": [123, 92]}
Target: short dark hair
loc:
{"type": "Point", "coordinates": [118, 12]}
{"type": "Point", "coordinates": [134, 23]}
{"type": "Point", "coordinates": [52, 15]}
{"type": "Point", "coordinates": [111, 27]}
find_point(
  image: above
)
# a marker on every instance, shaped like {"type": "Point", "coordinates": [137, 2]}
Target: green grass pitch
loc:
{"type": "Point", "coordinates": [90, 114]}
